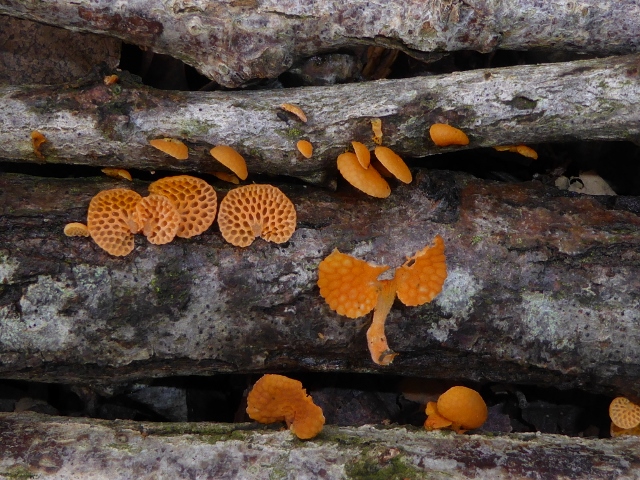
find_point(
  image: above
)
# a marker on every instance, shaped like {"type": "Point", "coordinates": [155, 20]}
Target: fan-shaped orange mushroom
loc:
{"type": "Point", "coordinates": [253, 211]}
{"type": "Point", "coordinates": [462, 406]}
{"type": "Point", "coordinates": [231, 159]}
{"type": "Point", "coordinates": [111, 222]}
{"type": "Point", "coordinates": [172, 147]}
{"type": "Point", "coordinates": [117, 173]}
{"type": "Point", "coordinates": [362, 153]}
{"type": "Point", "coordinates": [76, 229]}
{"type": "Point", "coordinates": [195, 200]}
{"type": "Point", "coordinates": [305, 148]}
{"type": "Point", "coordinates": [421, 278]}
{"type": "Point", "coordinates": [296, 110]}
{"type": "Point", "coordinates": [367, 180]}
{"type": "Point", "coordinates": [157, 218]}
{"type": "Point", "coordinates": [444, 135]}
{"type": "Point", "coordinates": [394, 164]}
{"type": "Point", "coordinates": [521, 149]}
{"type": "Point", "coordinates": [434, 420]}
{"type": "Point", "coordinates": [276, 398]}
{"type": "Point", "coordinates": [624, 413]}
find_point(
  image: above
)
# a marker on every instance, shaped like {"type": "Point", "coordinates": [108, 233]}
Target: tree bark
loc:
{"type": "Point", "coordinates": [104, 125]}
{"type": "Point", "coordinates": [236, 41]}
{"type": "Point", "coordinates": [543, 287]}
{"type": "Point", "coordinates": [55, 447]}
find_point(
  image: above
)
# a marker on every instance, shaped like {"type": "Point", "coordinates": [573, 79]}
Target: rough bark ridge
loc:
{"type": "Point", "coordinates": [110, 126]}
{"type": "Point", "coordinates": [543, 288]}
{"type": "Point", "coordinates": [235, 41]}
{"type": "Point", "coordinates": [80, 448]}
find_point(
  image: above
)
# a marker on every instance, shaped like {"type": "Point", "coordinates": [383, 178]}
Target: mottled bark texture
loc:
{"type": "Point", "coordinates": [101, 125]}
{"type": "Point", "coordinates": [236, 41]}
{"type": "Point", "coordinates": [55, 447]}
{"type": "Point", "coordinates": [543, 288]}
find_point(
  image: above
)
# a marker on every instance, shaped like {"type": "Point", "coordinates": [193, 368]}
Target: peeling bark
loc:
{"type": "Point", "coordinates": [110, 126]}
{"type": "Point", "coordinates": [543, 288]}
{"type": "Point", "coordinates": [54, 447]}
{"type": "Point", "coordinates": [236, 41]}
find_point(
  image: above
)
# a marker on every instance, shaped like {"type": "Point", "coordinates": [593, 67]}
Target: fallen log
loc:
{"type": "Point", "coordinates": [103, 125]}
{"type": "Point", "coordinates": [233, 42]}
{"type": "Point", "coordinates": [57, 447]}
{"type": "Point", "coordinates": [543, 288]}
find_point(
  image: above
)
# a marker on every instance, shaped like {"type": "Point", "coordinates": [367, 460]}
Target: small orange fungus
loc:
{"type": "Point", "coordinates": [363, 154]}
{"type": "Point", "coordinates": [253, 211]}
{"type": "Point", "coordinates": [76, 229]}
{"type": "Point", "coordinates": [624, 413]}
{"type": "Point", "coordinates": [231, 159]}
{"type": "Point", "coordinates": [37, 139]}
{"type": "Point", "coordinates": [297, 111]}
{"type": "Point", "coordinates": [305, 148]}
{"type": "Point", "coordinates": [117, 173]}
{"type": "Point", "coordinates": [226, 177]}
{"type": "Point", "coordinates": [394, 164]}
{"type": "Point", "coordinates": [111, 221]}
{"type": "Point", "coordinates": [172, 147]}
{"type": "Point", "coordinates": [351, 287]}
{"type": "Point", "coordinates": [367, 180]}
{"type": "Point", "coordinates": [276, 398]}
{"type": "Point", "coordinates": [376, 126]}
{"type": "Point", "coordinates": [110, 79]}
{"type": "Point", "coordinates": [195, 200]}
{"type": "Point", "coordinates": [521, 149]}
{"type": "Point", "coordinates": [157, 218]}
{"type": "Point", "coordinates": [444, 135]}
{"type": "Point", "coordinates": [462, 406]}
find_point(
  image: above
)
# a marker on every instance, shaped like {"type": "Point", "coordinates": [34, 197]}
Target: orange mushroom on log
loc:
{"type": "Point", "coordinates": [376, 127]}
{"type": "Point", "coordinates": [231, 159]}
{"type": "Point", "coordinates": [444, 135]}
{"type": "Point", "coordinates": [157, 218]}
{"type": "Point", "coordinates": [362, 153]}
{"type": "Point", "coordinates": [463, 407]}
{"type": "Point", "coordinates": [305, 148]}
{"type": "Point", "coordinates": [117, 173]}
{"type": "Point", "coordinates": [172, 147]}
{"type": "Point", "coordinates": [393, 163]}
{"type": "Point", "coordinates": [624, 413]}
{"type": "Point", "coordinates": [367, 180]}
{"type": "Point", "coordinates": [296, 110]}
{"type": "Point", "coordinates": [253, 211]}
{"type": "Point", "coordinates": [76, 229]}
{"type": "Point", "coordinates": [37, 139]}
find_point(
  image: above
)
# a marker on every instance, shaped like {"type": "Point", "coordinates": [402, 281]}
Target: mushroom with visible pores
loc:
{"type": "Point", "coordinates": [444, 135]}
{"type": "Point", "coordinates": [76, 229]}
{"type": "Point", "coordinates": [362, 153]}
{"type": "Point", "coordinates": [157, 218]}
{"type": "Point", "coordinates": [172, 147]}
{"type": "Point", "coordinates": [462, 406]}
{"type": "Point", "coordinates": [305, 148]}
{"type": "Point", "coordinates": [111, 222]}
{"type": "Point", "coordinates": [422, 276]}
{"type": "Point", "coordinates": [117, 173]}
{"type": "Point", "coordinates": [393, 163]}
{"type": "Point", "coordinates": [231, 159]}
{"type": "Point", "coordinates": [624, 413]}
{"type": "Point", "coordinates": [195, 200]}
{"type": "Point", "coordinates": [253, 211]}
{"type": "Point", "coordinates": [276, 398]}
{"type": "Point", "coordinates": [367, 180]}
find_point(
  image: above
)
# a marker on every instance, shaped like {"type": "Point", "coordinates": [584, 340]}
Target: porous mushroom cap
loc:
{"type": "Point", "coordinates": [157, 218]}
{"type": "Point", "coordinates": [172, 147]}
{"type": "Point", "coordinates": [444, 135]}
{"type": "Point", "coordinates": [110, 220]}
{"type": "Point", "coordinates": [362, 153]}
{"type": "Point", "coordinates": [231, 159]}
{"type": "Point", "coordinates": [195, 200]}
{"type": "Point", "coordinates": [421, 278]}
{"type": "Point", "coordinates": [276, 398]}
{"type": "Point", "coordinates": [392, 162]}
{"type": "Point", "coordinates": [349, 285]}
{"type": "Point", "coordinates": [305, 148]}
{"type": "Point", "coordinates": [624, 413]}
{"type": "Point", "coordinates": [76, 229]}
{"type": "Point", "coordinates": [254, 211]}
{"type": "Point", "coordinates": [367, 180]}
{"type": "Point", "coordinates": [463, 406]}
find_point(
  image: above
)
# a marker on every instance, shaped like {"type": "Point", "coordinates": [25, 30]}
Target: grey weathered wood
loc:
{"type": "Point", "coordinates": [57, 448]}
{"type": "Point", "coordinates": [111, 126]}
{"type": "Point", "coordinates": [232, 42]}
{"type": "Point", "coordinates": [543, 288]}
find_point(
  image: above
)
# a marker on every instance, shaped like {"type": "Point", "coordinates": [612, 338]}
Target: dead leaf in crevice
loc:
{"type": "Point", "coordinates": [590, 183]}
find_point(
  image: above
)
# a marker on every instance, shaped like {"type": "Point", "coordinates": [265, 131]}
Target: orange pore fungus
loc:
{"type": "Point", "coordinates": [195, 200]}
{"type": "Point", "coordinates": [231, 159]}
{"type": "Point", "coordinates": [421, 278]}
{"type": "Point", "coordinates": [444, 135]}
{"type": "Point", "coordinates": [624, 413]}
{"type": "Point", "coordinates": [37, 139]}
{"type": "Point", "coordinates": [76, 229]}
{"type": "Point", "coordinates": [157, 218]}
{"type": "Point", "coordinates": [172, 147]}
{"type": "Point", "coordinates": [253, 211]}
{"type": "Point", "coordinates": [117, 173]}
{"type": "Point", "coordinates": [276, 398]}
{"type": "Point", "coordinates": [462, 406]}
{"type": "Point", "coordinates": [305, 148]}
{"type": "Point", "coordinates": [367, 180]}
{"type": "Point", "coordinates": [111, 222]}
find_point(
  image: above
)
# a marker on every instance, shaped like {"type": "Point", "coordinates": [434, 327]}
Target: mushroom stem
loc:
{"type": "Point", "coordinates": [376, 338]}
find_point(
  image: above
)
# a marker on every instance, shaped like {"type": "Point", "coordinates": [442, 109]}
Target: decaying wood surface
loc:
{"type": "Point", "coordinates": [104, 125]}
{"type": "Point", "coordinates": [55, 447]}
{"type": "Point", "coordinates": [543, 288]}
{"type": "Point", "coordinates": [236, 41]}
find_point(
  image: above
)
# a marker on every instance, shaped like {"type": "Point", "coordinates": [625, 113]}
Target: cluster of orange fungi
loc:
{"type": "Point", "coordinates": [351, 288]}
{"type": "Point", "coordinates": [459, 409]}
{"type": "Point", "coordinates": [625, 417]}
{"type": "Point", "coordinates": [185, 206]}
{"type": "Point", "coordinates": [275, 398]}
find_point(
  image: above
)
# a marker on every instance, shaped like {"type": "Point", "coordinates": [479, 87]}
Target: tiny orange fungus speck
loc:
{"type": "Point", "coordinates": [37, 139]}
